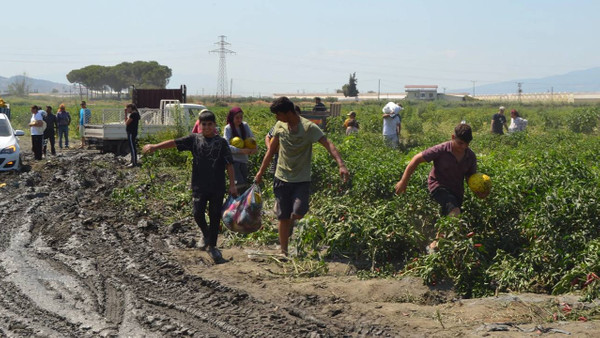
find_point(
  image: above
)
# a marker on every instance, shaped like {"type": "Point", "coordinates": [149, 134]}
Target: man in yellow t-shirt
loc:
{"type": "Point", "coordinates": [293, 137]}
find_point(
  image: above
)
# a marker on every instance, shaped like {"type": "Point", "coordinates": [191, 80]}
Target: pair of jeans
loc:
{"type": "Point", "coordinates": [63, 131]}
{"type": "Point", "coordinates": [215, 204]}
{"type": "Point", "coordinates": [37, 145]}
{"type": "Point", "coordinates": [49, 138]}
{"type": "Point", "coordinates": [132, 140]}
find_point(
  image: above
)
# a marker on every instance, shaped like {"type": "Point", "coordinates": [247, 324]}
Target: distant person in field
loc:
{"type": "Point", "coordinates": [50, 131]}
{"type": "Point", "coordinates": [351, 124]}
{"type": "Point", "coordinates": [319, 106]}
{"type": "Point", "coordinates": [293, 137]}
{"type": "Point", "coordinates": [132, 121]}
{"type": "Point", "coordinates": [517, 123]}
{"type": "Point", "coordinates": [211, 159]}
{"type": "Point", "coordinates": [392, 124]}
{"type": "Point", "coordinates": [85, 117]}
{"type": "Point", "coordinates": [499, 122]}
{"type": "Point", "coordinates": [453, 163]}
{"type": "Point", "coordinates": [36, 126]}
{"type": "Point", "coordinates": [236, 127]}
{"type": "Point", "coordinates": [63, 119]}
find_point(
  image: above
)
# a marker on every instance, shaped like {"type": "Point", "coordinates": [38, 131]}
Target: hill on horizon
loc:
{"type": "Point", "coordinates": [35, 85]}
{"type": "Point", "coordinates": [579, 81]}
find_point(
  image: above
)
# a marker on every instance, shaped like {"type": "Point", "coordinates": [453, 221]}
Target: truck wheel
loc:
{"type": "Point", "coordinates": [124, 148]}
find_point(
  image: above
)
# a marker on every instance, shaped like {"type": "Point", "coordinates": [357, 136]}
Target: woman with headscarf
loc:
{"type": "Point", "coordinates": [236, 127]}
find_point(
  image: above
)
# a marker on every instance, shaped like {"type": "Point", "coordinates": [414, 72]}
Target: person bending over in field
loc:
{"type": "Point", "coordinates": [293, 137]}
{"type": "Point", "coordinates": [453, 163]}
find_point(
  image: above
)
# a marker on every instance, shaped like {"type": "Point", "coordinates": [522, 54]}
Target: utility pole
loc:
{"type": "Point", "coordinates": [378, 89]}
{"type": "Point", "coordinates": [473, 87]}
{"type": "Point", "coordinates": [222, 51]}
{"type": "Point", "coordinates": [519, 90]}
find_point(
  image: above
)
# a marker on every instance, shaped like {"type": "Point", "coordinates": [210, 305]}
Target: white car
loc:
{"type": "Point", "coordinates": [10, 152]}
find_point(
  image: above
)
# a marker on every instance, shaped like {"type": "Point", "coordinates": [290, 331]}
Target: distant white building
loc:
{"type": "Point", "coordinates": [429, 93]}
{"type": "Point", "coordinates": [421, 92]}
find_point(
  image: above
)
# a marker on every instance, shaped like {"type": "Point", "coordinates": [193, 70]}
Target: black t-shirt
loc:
{"type": "Point", "coordinates": [498, 121]}
{"type": "Point", "coordinates": [50, 123]}
{"type": "Point", "coordinates": [132, 128]}
{"type": "Point", "coordinates": [211, 155]}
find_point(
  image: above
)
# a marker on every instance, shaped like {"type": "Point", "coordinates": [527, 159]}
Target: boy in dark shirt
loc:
{"type": "Point", "coordinates": [132, 120]}
{"type": "Point", "coordinates": [212, 157]}
{"type": "Point", "coordinates": [499, 122]}
{"type": "Point", "coordinates": [453, 163]}
{"type": "Point", "coordinates": [50, 132]}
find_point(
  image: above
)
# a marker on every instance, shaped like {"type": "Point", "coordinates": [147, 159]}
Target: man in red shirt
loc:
{"type": "Point", "coordinates": [453, 163]}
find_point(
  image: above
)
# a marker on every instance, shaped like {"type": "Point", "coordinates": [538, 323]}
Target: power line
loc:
{"type": "Point", "coordinates": [222, 80]}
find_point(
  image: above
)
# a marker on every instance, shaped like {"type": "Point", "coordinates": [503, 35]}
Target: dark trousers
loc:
{"type": "Point", "coordinates": [49, 138]}
{"type": "Point", "coordinates": [36, 146]}
{"type": "Point", "coordinates": [63, 131]}
{"type": "Point", "coordinates": [215, 204]}
{"type": "Point", "coordinates": [132, 139]}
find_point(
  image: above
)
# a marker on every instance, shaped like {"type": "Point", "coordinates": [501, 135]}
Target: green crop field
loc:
{"type": "Point", "coordinates": [538, 231]}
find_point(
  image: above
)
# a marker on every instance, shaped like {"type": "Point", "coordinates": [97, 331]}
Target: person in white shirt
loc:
{"type": "Point", "coordinates": [36, 125]}
{"type": "Point", "coordinates": [517, 123]}
{"type": "Point", "coordinates": [392, 124]}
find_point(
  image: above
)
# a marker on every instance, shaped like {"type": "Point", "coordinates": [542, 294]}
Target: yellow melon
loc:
{"type": "Point", "coordinates": [237, 142]}
{"type": "Point", "coordinates": [480, 183]}
{"type": "Point", "coordinates": [250, 143]}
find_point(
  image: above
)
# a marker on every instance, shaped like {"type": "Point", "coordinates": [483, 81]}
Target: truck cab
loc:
{"type": "Point", "coordinates": [172, 112]}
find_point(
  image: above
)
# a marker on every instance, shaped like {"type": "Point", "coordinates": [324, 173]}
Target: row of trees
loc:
{"type": "Point", "coordinates": [146, 74]}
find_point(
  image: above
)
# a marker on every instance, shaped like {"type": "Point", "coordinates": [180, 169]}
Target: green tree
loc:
{"type": "Point", "coordinates": [118, 78]}
{"type": "Point", "coordinates": [20, 86]}
{"type": "Point", "coordinates": [142, 74]}
{"type": "Point", "coordinates": [350, 89]}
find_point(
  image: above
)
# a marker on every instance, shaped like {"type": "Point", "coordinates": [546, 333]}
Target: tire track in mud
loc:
{"type": "Point", "coordinates": [74, 264]}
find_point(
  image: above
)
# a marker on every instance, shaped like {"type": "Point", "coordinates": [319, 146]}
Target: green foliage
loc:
{"type": "Point", "coordinates": [536, 232]}
{"type": "Point", "coordinates": [583, 120]}
{"type": "Point", "coordinates": [142, 74]}
{"type": "Point", "coordinates": [350, 89]}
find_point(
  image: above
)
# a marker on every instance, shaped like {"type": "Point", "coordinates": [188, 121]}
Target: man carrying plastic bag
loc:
{"type": "Point", "coordinates": [243, 214]}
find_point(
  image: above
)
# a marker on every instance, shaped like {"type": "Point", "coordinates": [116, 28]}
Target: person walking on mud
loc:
{"type": "Point", "coordinates": [211, 158]}
{"type": "Point", "coordinates": [50, 132]}
{"type": "Point", "coordinates": [36, 126]}
{"type": "Point", "coordinates": [132, 119]}
{"type": "Point", "coordinates": [293, 137]}
{"type": "Point", "coordinates": [85, 115]}
{"type": "Point", "coordinates": [63, 119]}
{"type": "Point", "coordinates": [453, 163]}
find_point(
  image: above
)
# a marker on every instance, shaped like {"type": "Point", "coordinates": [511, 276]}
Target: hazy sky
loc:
{"type": "Point", "coordinates": [305, 46]}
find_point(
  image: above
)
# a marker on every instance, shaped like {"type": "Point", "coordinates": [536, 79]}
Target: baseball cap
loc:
{"type": "Point", "coordinates": [351, 113]}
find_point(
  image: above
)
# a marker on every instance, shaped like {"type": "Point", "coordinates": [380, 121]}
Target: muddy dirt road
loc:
{"type": "Point", "coordinates": [74, 264]}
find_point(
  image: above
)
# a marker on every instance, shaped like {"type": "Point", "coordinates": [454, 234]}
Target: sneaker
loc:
{"type": "Point", "coordinates": [215, 254]}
